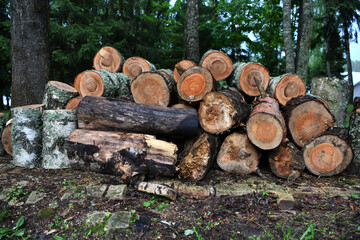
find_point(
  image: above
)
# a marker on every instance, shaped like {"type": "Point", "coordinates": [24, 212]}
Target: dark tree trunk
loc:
{"type": "Point", "coordinates": [192, 31]}
{"type": "Point", "coordinates": [326, 42]}
{"type": "Point", "coordinates": [287, 35]}
{"type": "Point", "coordinates": [30, 50]}
{"type": "Point", "coordinates": [348, 63]}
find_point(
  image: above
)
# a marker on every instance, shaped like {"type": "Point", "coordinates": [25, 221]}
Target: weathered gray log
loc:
{"type": "Point", "coordinates": [58, 94]}
{"type": "Point", "coordinates": [6, 138]}
{"type": "Point", "coordinates": [57, 126]}
{"type": "Point", "coordinates": [26, 135]}
{"type": "Point", "coordinates": [336, 93]}
{"type": "Point", "coordinates": [108, 114]}
{"type": "Point", "coordinates": [354, 138]}
{"type": "Point", "coordinates": [196, 163]}
{"type": "Point", "coordinates": [2, 123]}
{"type": "Point", "coordinates": [109, 59]}
{"type": "Point", "coordinates": [157, 189]}
{"type": "Point", "coordinates": [125, 154]}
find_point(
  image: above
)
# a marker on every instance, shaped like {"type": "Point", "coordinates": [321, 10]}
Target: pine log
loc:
{"type": "Point", "coordinates": [26, 135]}
{"type": "Point", "coordinates": [157, 189]}
{"type": "Point", "coordinates": [243, 78]}
{"type": "Point", "coordinates": [58, 94]}
{"type": "Point", "coordinates": [336, 93]}
{"type": "Point", "coordinates": [168, 73]}
{"type": "Point", "coordinates": [220, 111]}
{"type": "Point", "coordinates": [327, 155]}
{"type": "Point", "coordinates": [266, 126]}
{"type": "Point", "coordinates": [285, 87]}
{"type": "Point", "coordinates": [2, 123]}
{"type": "Point", "coordinates": [152, 88]}
{"type": "Point", "coordinates": [194, 84]}
{"type": "Point", "coordinates": [354, 137]}
{"type": "Point", "coordinates": [57, 126]}
{"type": "Point", "coordinates": [286, 161]}
{"type": "Point", "coordinates": [238, 155]}
{"type": "Point", "coordinates": [181, 67]}
{"type": "Point", "coordinates": [195, 164]}
{"type": "Point", "coordinates": [218, 63]}
{"type": "Point", "coordinates": [73, 103]}
{"type": "Point", "coordinates": [125, 154]}
{"type": "Point", "coordinates": [108, 114]}
{"type": "Point", "coordinates": [306, 117]}
{"type": "Point", "coordinates": [109, 59]}
{"type": "Point", "coordinates": [6, 138]}
{"type": "Point", "coordinates": [135, 65]}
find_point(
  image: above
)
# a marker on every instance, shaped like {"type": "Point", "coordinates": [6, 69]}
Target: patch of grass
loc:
{"type": "Point", "coordinates": [16, 192]}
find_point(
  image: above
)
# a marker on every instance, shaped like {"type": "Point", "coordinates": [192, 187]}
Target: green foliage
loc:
{"type": "Point", "coordinates": [13, 232]}
{"type": "Point", "coordinates": [16, 192]}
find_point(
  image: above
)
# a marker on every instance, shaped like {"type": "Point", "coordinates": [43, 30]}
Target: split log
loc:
{"type": "Point", "coordinates": [108, 114]}
{"type": "Point", "coordinates": [218, 63]}
{"type": "Point", "coordinates": [286, 161]}
{"type": "Point", "coordinates": [58, 94]}
{"type": "Point", "coordinates": [26, 135]}
{"type": "Point", "coordinates": [109, 59]}
{"type": "Point", "coordinates": [157, 189]}
{"type": "Point", "coordinates": [285, 87]}
{"type": "Point", "coordinates": [238, 155]}
{"type": "Point", "coordinates": [327, 155]}
{"type": "Point", "coordinates": [243, 78]}
{"type": "Point", "coordinates": [194, 84]}
{"type": "Point", "coordinates": [135, 65]}
{"type": "Point", "coordinates": [181, 67]}
{"type": "Point", "coordinates": [266, 126]}
{"type": "Point", "coordinates": [152, 88]}
{"type": "Point", "coordinates": [125, 154]}
{"type": "Point", "coordinates": [354, 137]}
{"type": "Point", "coordinates": [2, 120]}
{"type": "Point", "coordinates": [307, 117]}
{"type": "Point", "coordinates": [220, 111]}
{"type": "Point", "coordinates": [336, 93]}
{"type": "Point", "coordinates": [195, 164]}
{"type": "Point", "coordinates": [6, 138]}
{"type": "Point", "coordinates": [73, 103]}
{"type": "Point", "coordinates": [57, 126]}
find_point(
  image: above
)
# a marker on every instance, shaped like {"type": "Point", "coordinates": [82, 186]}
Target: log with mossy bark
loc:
{"type": "Point", "coordinates": [2, 125]}
{"type": "Point", "coordinates": [109, 59]}
{"type": "Point", "coordinates": [26, 135]}
{"type": "Point", "coordinates": [135, 65]}
{"type": "Point", "coordinates": [152, 88]}
{"type": "Point", "coordinates": [218, 63]}
{"type": "Point", "coordinates": [58, 94]}
{"type": "Point", "coordinates": [109, 114]}
{"type": "Point", "coordinates": [57, 126]}
{"type": "Point", "coordinates": [307, 117]}
{"type": "Point", "coordinates": [354, 138]}
{"type": "Point", "coordinates": [222, 110]}
{"type": "Point", "coordinates": [181, 67]}
{"type": "Point", "coordinates": [6, 137]}
{"type": "Point", "coordinates": [128, 155]}
{"type": "Point", "coordinates": [336, 93]}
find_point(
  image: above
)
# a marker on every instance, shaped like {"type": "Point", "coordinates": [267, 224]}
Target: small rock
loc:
{"type": "Point", "coordinates": [119, 220]}
{"type": "Point", "coordinates": [23, 183]}
{"type": "Point", "coordinates": [116, 192]}
{"type": "Point", "coordinates": [35, 197]}
{"type": "Point", "coordinates": [15, 203]}
{"type": "Point", "coordinates": [96, 191]}
{"type": "Point", "coordinates": [68, 194]}
{"type": "Point", "coordinates": [4, 195]}
{"type": "Point", "coordinates": [54, 204]}
{"type": "Point", "coordinates": [45, 212]}
{"type": "Point", "coordinates": [95, 219]}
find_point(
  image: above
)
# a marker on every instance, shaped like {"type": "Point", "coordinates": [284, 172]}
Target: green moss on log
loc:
{"type": "Point", "coordinates": [354, 137]}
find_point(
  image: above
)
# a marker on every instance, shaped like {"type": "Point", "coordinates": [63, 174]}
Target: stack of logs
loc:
{"type": "Point", "coordinates": [217, 111]}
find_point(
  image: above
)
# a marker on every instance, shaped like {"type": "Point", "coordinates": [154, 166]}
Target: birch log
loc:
{"type": "Point", "coordinates": [58, 94]}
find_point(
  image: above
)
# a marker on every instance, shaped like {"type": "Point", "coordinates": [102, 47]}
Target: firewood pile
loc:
{"type": "Point", "coordinates": [129, 119]}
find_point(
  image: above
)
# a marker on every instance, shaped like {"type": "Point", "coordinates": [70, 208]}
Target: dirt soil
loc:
{"type": "Point", "coordinates": [253, 216]}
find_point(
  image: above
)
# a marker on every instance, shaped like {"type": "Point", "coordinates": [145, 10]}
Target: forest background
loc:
{"type": "Point", "coordinates": [247, 30]}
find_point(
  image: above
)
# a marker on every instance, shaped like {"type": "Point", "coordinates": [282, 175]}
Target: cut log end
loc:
{"type": "Point", "coordinates": [73, 103]}
{"type": "Point", "coordinates": [289, 86]}
{"type": "Point", "coordinates": [247, 82]}
{"type": "Point", "coordinates": [135, 65]}
{"type": "Point", "coordinates": [6, 138]}
{"type": "Point", "coordinates": [89, 83]}
{"type": "Point", "coordinates": [109, 59]}
{"type": "Point", "coordinates": [218, 63]}
{"type": "Point", "coordinates": [182, 66]}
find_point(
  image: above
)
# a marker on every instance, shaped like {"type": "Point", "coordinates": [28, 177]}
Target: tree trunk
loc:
{"type": "Point", "coordinates": [286, 161]}
{"type": "Point", "coordinates": [2, 123]}
{"type": "Point", "coordinates": [58, 94]}
{"type": "Point", "coordinates": [304, 38]}
{"type": "Point", "coordinates": [326, 41]}
{"type": "Point", "coordinates": [135, 65]}
{"type": "Point", "coordinates": [107, 114]}
{"type": "Point", "coordinates": [73, 103]}
{"type": "Point", "coordinates": [354, 137]}
{"type": "Point", "coordinates": [287, 35]}
{"type": "Point", "coordinates": [218, 63]}
{"type": "Point", "coordinates": [307, 117]}
{"type": "Point", "coordinates": [194, 84]}
{"type": "Point", "coordinates": [336, 93]}
{"type": "Point", "coordinates": [285, 87]}
{"type": "Point", "coordinates": [109, 59]}
{"type": "Point", "coordinates": [238, 155]}
{"type": "Point", "coordinates": [30, 50]}
{"type": "Point", "coordinates": [327, 155]}
{"type": "Point", "coordinates": [243, 78]}
{"type": "Point", "coordinates": [26, 135]}
{"type": "Point", "coordinates": [57, 126]}
{"type": "Point", "coordinates": [195, 164]}
{"type": "Point", "coordinates": [266, 126]}
{"type": "Point", "coordinates": [348, 63]}
{"type": "Point", "coordinates": [6, 138]}
{"type": "Point", "coordinates": [152, 88]}
{"type": "Point", "coordinates": [220, 111]}
{"type": "Point", "coordinates": [118, 153]}
{"type": "Point", "coordinates": [192, 31]}
{"type": "Point", "coordinates": [181, 67]}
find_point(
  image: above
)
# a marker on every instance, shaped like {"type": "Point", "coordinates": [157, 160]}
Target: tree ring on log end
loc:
{"type": "Point", "coordinates": [183, 64]}
{"type": "Point", "coordinates": [247, 81]}
{"type": "Point", "coordinates": [73, 103]}
{"type": "Point", "coordinates": [89, 83]}
{"type": "Point", "coordinates": [265, 131]}
{"type": "Point", "coordinates": [134, 66]}
{"type": "Point", "coordinates": [108, 58]}
{"type": "Point", "coordinates": [219, 64]}
{"type": "Point", "coordinates": [289, 86]}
